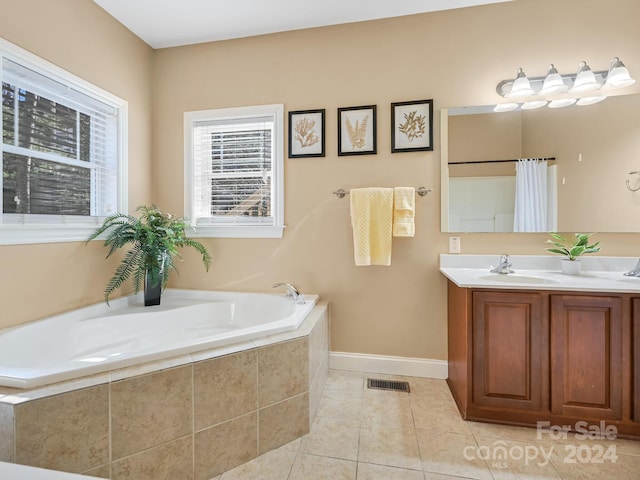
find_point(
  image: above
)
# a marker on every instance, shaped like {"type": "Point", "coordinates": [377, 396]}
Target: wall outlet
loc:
{"type": "Point", "coordinates": [454, 244]}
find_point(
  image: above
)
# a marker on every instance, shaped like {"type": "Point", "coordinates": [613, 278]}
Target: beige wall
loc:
{"type": "Point", "coordinates": [77, 35]}
{"type": "Point", "coordinates": [454, 57]}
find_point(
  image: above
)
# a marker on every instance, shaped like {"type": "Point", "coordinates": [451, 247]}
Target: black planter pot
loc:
{"type": "Point", "coordinates": [152, 292]}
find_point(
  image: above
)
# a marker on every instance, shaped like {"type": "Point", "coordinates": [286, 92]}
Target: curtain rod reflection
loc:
{"type": "Point", "coordinates": [545, 159]}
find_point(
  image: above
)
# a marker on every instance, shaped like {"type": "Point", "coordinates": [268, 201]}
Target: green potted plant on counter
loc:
{"type": "Point", "coordinates": [571, 251]}
{"type": "Point", "coordinates": [155, 238]}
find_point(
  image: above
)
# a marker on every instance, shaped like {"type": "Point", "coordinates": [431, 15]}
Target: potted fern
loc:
{"type": "Point", "coordinates": [571, 251]}
{"type": "Point", "coordinates": [155, 238]}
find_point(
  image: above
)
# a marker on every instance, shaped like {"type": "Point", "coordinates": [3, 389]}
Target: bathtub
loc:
{"type": "Point", "coordinates": [101, 338]}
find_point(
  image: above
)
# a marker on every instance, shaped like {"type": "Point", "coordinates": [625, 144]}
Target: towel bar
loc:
{"type": "Point", "coordinates": [422, 191]}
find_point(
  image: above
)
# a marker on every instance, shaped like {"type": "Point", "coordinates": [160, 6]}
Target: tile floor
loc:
{"type": "Point", "coordinates": [362, 434]}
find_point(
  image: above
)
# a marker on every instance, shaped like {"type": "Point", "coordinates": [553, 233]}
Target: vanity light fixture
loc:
{"type": "Point", "coordinates": [536, 92]}
{"type": "Point", "coordinates": [591, 100]}
{"type": "Point", "coordinates": [505, 107]}
{"type": "Point", "coordinates": [553, 82]}
{"type": "Point", "coordinates": [561, 102]}
{"type": "Point", "coordinates": [521, 87]}
{"type": "Point", "coordinates": [618, 76]}
{"type": "Point", "coordinates": [585, 80]}
{"type": "Point", "coordinates": [533, 104]}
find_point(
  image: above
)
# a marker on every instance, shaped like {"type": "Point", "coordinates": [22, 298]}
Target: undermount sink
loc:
{"type": "Point", "coordinates": [515, 278]}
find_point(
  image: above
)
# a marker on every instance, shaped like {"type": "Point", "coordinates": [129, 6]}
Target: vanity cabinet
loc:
{"type": "Point", "coordinates": [586, 356]}
{"type": "Point", "coordinates": [523, 356]}
{"type": "Point", "coordinates": [510, 332]}
{"type": "Point", "coordinates": [635, 355]}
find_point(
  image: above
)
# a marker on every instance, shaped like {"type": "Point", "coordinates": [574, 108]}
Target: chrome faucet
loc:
{"type": "Point", "coordinates": [504, 266]}
{"type": "Point", "coordinates": [292, 292]}
{"type": "Point", "coordinates": [635, 272]}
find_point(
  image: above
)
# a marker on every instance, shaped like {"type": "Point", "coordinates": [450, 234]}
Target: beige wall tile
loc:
{"type": "Point", "coordinates": [317, 388]}
{"type": "Point", "coordinates": [283, 371]}
{"type": "Point", "coordinates": [173, 460]}
{"type": "Point", "coordinates": [225, 446]}
{"type": "Point", "coordinates": [150, 410]}
{"type": "Point", "coordinates": [67, 432]}
{"type": "Point", "coordinates": [101, 472]}
{"type": "Point", "coordinates": [283, 422]}
{"type": "Point", "coordinates": [6, 433]}
{"type": "Point", "coordinates": [225, 388]}
{"type": "Point", "coordinates": [318, 344]}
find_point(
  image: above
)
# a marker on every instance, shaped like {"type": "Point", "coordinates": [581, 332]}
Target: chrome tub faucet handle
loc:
{"type": "Point", "coordinates": [292, 292]}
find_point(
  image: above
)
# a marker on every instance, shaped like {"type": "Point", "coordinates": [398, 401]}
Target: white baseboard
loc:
{"type": "Point", "coordinates": [412, 367]}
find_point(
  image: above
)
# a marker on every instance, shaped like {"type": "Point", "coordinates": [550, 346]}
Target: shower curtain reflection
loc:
{"type": "Point", "coordinates": [532, 196]}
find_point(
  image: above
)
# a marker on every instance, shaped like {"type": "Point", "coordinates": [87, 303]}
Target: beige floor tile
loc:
{"type": "Point", "coordinates": [368, 471]}
{"type": "Point", "coordinates": [452, 454]}
{"type": "Point", "coordinates": [346, 404]}
{"type": "Point", "coordinates": [386, 407]}
{"type": "Point", "coordinates": [382, 444]}
{"type": "Point", "coordinates": [509, 460]}
{"type": "Point", "coordinates": [506, 432]}
{"type": "Point", "coordinates": [436, 415]}
{"type": "Point", "coordinates": [332, 437]}
{"type": "Point", "coordinates": [344, 380]}
{"type": "Point", "coordinates": [629, 447]}
{"type": "Point", "coordinates": [442, 476]}
{"type": "Point", "coordinates": [312, 467]}
{"type": "Point", "coordinates": [273, 465]}
{"type": "Point", "coordinates": [622, 467]}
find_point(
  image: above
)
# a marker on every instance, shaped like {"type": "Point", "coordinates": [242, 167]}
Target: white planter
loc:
{"type": "Point", "coordinates": [570, 267]}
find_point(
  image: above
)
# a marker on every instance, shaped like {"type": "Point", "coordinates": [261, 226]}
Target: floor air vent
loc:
{"type": "Point", "coordinates": [388, 385]}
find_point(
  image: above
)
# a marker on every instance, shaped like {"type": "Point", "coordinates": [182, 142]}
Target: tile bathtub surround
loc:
{"type": "Point", "coordinates": [149, 410]}
{"type": "Point", "coordinates": [191, 421]}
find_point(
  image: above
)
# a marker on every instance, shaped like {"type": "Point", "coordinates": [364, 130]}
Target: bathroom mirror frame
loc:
{"type": "Point", "coordinates": [588, 178]}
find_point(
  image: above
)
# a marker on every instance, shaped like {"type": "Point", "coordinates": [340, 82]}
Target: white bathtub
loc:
{"type": "Point", "coordinates": [99, 338]}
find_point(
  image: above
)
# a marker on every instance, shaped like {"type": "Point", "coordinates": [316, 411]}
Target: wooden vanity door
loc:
{"type": "Point", "coordinates": [510, 351]}
{"type": "Point", "coordinates": [635, 354]}
{"type": "Point", "coordinates": [586, 356]}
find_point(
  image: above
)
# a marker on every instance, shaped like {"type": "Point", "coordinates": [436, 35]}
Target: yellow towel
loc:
{"type": "Point", "coordinates": [371, 218]}
{"type": "Point", "coordinates": [404, 211]}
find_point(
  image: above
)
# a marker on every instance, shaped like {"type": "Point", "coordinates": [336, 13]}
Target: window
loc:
{"type": "Point", "coordinates": [63, 162]}
{"type": "Point", "coordinates": [234, 171]}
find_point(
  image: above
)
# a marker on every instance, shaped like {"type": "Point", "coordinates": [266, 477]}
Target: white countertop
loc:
{"type": "Point", "coordinates": [12, 471]}
{"type": "Point", "coordinates": [541, 272]}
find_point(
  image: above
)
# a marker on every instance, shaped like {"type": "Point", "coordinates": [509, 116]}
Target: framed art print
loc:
{"type": "Point", "coordinates": [306, 133]}
{"type": "Point", "coordinates": [357, 130]}
{"type": "Point", "coordinates": [412, 126]}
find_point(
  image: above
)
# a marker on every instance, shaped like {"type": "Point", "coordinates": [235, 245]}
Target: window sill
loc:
{"type": "Point", "coordinates": [32, 234]}
{"type": "Point", "coordinates": [236, 231]}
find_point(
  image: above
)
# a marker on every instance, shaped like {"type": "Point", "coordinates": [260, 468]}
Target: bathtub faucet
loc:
{"type": "Point", "coordinates": [293, 293]}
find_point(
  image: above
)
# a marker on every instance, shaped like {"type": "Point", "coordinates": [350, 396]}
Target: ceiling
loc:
{"type": "Point", "coordinates": [170, 23]}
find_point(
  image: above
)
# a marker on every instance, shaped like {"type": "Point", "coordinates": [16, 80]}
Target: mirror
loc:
{"type": "Point", "coordinates": [590, 152]}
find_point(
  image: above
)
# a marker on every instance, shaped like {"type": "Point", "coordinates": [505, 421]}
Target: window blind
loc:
{"type": "Point", "coordinates": [233, 171]}
{"type": "Point", "coordinates": [59, 149]}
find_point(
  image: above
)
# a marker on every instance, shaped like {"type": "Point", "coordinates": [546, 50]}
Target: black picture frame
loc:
{"type": "Point", "coordinates": [357, 130]}
{"type": "Point", "coordinates": [412, 126]}
{"type": "Point", "coordinates": [307, 133]}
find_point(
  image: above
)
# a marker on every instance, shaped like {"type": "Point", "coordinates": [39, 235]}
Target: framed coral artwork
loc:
{"type": "Point", "coordinates": [412, 126]}
{"type": "Point", "coordinates": [357, 130]}
{"type": "Point", "coordinates": [306, 133]}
